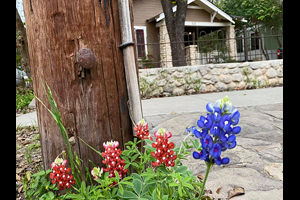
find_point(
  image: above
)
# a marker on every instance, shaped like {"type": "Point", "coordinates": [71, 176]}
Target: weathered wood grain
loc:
{"type": "Point", "coordinates": [94, 108]}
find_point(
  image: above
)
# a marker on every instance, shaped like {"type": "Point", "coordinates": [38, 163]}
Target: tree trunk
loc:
{"type": "Point", "coordinates": [93, 108]}
{"type": "Point", "coordinates": [175, 26]}
{"type": "Point", "coordinates": [22, 45]}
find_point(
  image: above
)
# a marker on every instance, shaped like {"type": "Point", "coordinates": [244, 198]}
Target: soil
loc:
{"type": "Point", "coordinates": [28, 155]}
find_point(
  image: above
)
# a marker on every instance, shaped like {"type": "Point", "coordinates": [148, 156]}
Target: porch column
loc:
{"type": "Point", "coordinates": [231, 42]}
{"type": "Point", "coordinates": [165, 47]}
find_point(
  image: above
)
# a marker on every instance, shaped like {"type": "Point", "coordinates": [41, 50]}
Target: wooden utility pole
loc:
{"type": "Point", "coordinates": [74, 48]}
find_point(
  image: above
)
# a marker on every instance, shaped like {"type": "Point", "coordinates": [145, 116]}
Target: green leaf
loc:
{"type": "Point", "coordinates": [121, 189]}
{"type": "Point", "coordinates": [186, 179]}
{"type": "Point", "coordinates": [137, 186]}
{"type": "Point", "coordinates": [127, 183]}
{"type": "Point", "coordinates": [180, 191]}
{"type": "Point", "coordinates": [174, 184]}
{"type": "Point", "coordinates": [126, 166]}
{"type": "Point", "coordinates": [136, 176]}
{"type": "Point", "coordinates": [128, 194]}
{"type": "Point", "coordinates": [145, 189]}
{"type": "Point", "coordinates": [134, 157]}
{"type": "Point", "coordinates": [39, 173]}
{"type": "Point", "coordinates": [188, 185]}
{"type": "Point", "coordinates": [149, 142]}
{"type": "Point", "coordinates": [149, 147]}
{"type": "Point", "coordinates": [196, 144]}
{"type": "Point", "coordinates": [135, 165]}
{"type": "Point", "coordinates": [117, 175]}
{"type": "Point", "coordinates": [182, 169]}
{"type": "Point", "coordinates": [165, 197]}
{"type": "Point", "coordinates": [163, 170]}
{"type": "Point", "coordinates": [147, 197]}
{"type": "Point", "coordinates": [154, 194]}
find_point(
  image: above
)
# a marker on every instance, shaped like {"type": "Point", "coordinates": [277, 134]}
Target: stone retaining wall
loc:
{"type": "Point", "coordinates": [177, 81]}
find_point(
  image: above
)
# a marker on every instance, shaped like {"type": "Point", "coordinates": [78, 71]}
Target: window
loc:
{"type": "Point", "coordinates": [254, 41]}
{"type": "Point", "coordinates": [140, 36]}
{"type": "Point", "coordinates": [140, 43]}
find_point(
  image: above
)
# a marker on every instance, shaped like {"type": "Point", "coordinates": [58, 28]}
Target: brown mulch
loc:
{"type": "Point", "coordinates": [28, 156]}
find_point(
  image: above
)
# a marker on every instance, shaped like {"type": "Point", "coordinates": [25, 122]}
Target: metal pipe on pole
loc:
{"type": "Point", "coordinates": [127, 46]}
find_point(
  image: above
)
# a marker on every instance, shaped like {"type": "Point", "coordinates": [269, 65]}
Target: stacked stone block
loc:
{"type": "Point", "coordinates": [210, 78]}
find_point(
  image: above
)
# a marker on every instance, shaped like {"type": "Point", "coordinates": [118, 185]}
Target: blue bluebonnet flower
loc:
{"type": "Point", "coordinates": [217, 131]}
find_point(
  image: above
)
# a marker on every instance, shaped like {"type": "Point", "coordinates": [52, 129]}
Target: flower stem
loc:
{"type": "Point", "coordinates": [209, 165]}
{"type": "Point", "coordinates": [183, 141]}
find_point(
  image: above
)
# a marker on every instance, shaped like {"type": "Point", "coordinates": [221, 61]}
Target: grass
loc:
{"type": "Point", "coordinates": [23, 97]}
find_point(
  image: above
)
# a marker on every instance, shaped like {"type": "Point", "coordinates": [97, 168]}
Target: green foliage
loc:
{"type": "Point", "coordinates": [23, 97]}
{"type": "Point", "coordinates": [268, 12]}
{"type": "Point", "coordinates": [37, 186]}
{"type": "Point", "coordinates": [149, 183]}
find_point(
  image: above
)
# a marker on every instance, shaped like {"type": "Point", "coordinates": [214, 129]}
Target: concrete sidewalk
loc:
{"type": "Point", "coordinates": [197, 103]}
{"type": "Point", "coordinates": [191, 103]}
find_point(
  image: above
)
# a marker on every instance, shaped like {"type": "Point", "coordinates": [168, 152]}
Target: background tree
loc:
{"type": "Point", "coordinates": [258, 13]}
{"type": "Point", "coordinates": [22, 45]}
{"type": "Point", "coordinates": [175, 26]}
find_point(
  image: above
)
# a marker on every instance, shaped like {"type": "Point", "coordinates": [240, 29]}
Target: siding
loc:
{"type": "Point", "coordinates": [195, 15]}
{"type": "Point", "coordinates": [145, 9]}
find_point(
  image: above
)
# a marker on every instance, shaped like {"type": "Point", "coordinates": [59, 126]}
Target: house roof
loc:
{"type": "Point", "coordinates": [204, 4]}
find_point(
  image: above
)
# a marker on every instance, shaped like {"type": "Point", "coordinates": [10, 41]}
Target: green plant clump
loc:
{"type": "Point", "coordinates": [152, 172]}
{"type": "Point", "coordinates": [23, 97]}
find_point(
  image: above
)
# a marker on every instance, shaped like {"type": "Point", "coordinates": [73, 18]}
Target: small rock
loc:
{"type": "Point", "coordinates": [237, 77]}
{"type": "Point", "coordinates": [221, 86]}
{"type": "Point", "coordinates": [178, 91]}
{"type": "Point", "coordinates": [271, 73]}
{"type": "Point", "coordinates": [161, 83]}
{"type": "Point", "coordinates": [166, 94]}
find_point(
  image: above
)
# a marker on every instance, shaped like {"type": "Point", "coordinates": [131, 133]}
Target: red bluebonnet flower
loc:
{"type": "Point", "coordinates": [113, 160]}
{"type": "Point", "coordinates": [164, 153]}
{"type": "Point", "coordinates": [61, 174]}
{"type": "Point", "coordinates": [141, 129]}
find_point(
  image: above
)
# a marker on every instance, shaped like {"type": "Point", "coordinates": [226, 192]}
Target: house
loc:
{"type": "Point", "coordinates": [151, 32]}
{"type": "Point", "coordinates": [261, 46]}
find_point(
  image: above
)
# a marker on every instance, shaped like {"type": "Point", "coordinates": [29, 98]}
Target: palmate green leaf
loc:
{"type": "Point", "coordinates": [154, 194]}
{"type": "Point", "coordinates": [165, 197]}
{"type": "Point", "coordinates": [180, 191]}
{"type": "Point", "coordinates": [136, 176]}
{"type": "Point", "coordinates": [134, 157]}
{"type": "Point", "coordinates": [174, 184]}
{"type": "Point", "coordinates": [149, 141]}
{"type": "Point", "coordinates": [126, 166]}
{"type": "Point", "coordinates": [188, 185]}
{"type": "Point", "coordinates": [128, 195]}
{"type": "Point", "coordinates": [182, 169]}
{"type": "Point", "coordinates": [150, 148]}
{"type": "Point", "coordinates": [196, 144]}
{"type": "Point", "coordinates": [39, 173]}
{"type": "Point", "coordinates": [147, 197]}
{"type": "Point", "coordinates": [137, 186]}
{"type": "Point", "coordinates": [145, 189]}
{"type": "Point", "coordinates": [121, 189]}
{"type": "Point", "coordinates": [135, 165]}
{"type": "Point", "coordinates": [163, 170]}
{"type": "Point", "coordinates": [117, 175]}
